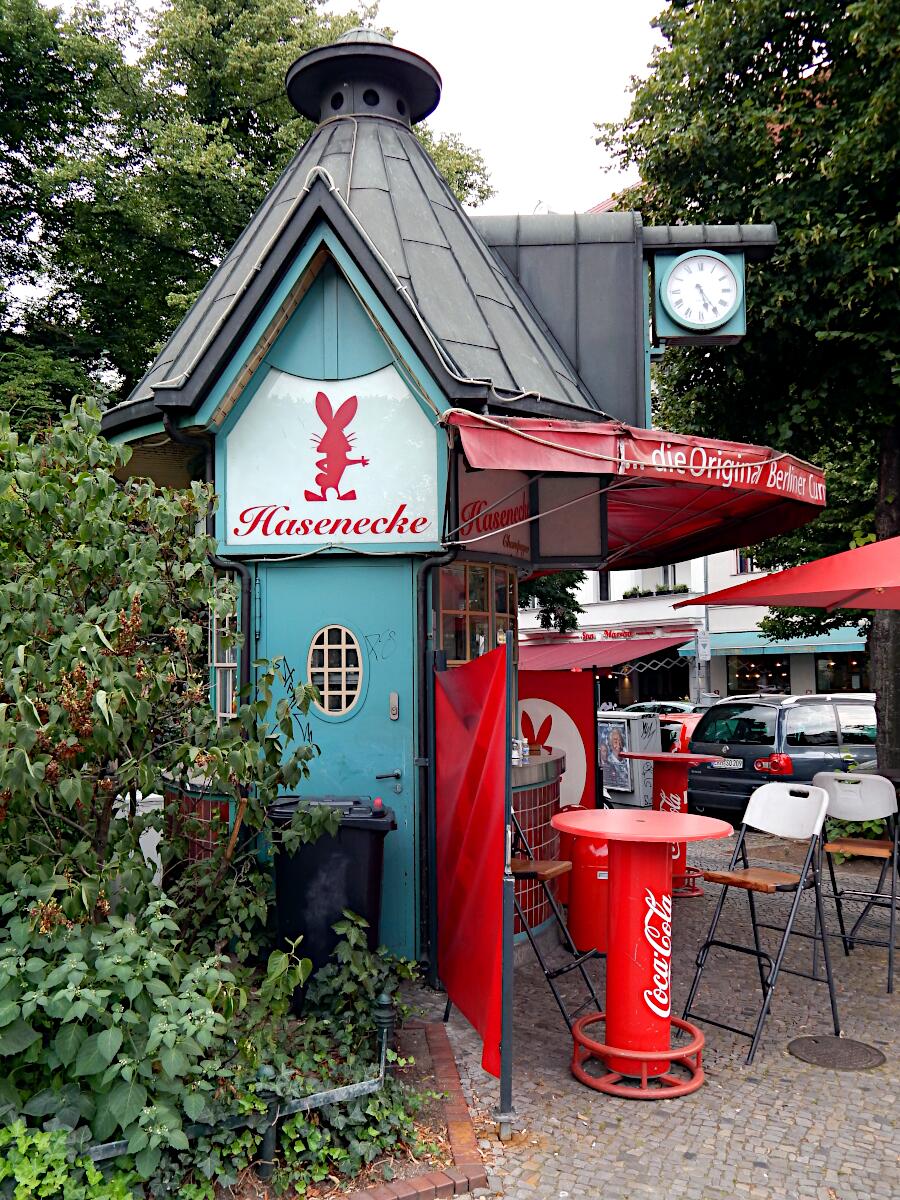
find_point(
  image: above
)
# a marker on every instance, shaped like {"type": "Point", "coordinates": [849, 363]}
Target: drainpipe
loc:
{"type": "Point", "coordinates": [426, 752]}
{"type": "Point", "coordinates": [233, 566]}
{"type": "Point", "coordinates": [426, 731]}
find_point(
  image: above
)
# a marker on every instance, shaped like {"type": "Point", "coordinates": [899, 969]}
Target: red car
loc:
{"type": "Point", "coordinates": [675, 730]}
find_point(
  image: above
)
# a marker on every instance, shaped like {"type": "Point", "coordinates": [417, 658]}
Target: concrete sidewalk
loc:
{"type": "Point", "coordinates": [779, 1128]}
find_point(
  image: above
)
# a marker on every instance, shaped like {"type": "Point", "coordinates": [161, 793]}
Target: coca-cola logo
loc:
{"type": "Point", "coordinates": [658, 934]}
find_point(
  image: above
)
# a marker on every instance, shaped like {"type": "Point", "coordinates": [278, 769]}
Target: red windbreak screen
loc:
{"type": "Point", "coordinates": [558, 711]}
{"type": "Point", "coordinates": [470, 768]}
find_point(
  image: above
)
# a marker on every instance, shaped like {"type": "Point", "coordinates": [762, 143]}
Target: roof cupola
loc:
{"type": "Point", "coordinates": [362, 74]}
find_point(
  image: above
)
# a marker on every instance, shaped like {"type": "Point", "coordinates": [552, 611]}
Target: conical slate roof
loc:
{"type": "Point", "coordinates": [466, 313]}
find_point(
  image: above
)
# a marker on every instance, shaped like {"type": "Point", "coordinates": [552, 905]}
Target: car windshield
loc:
{"type": "Point", "coordinates": [738, 724]}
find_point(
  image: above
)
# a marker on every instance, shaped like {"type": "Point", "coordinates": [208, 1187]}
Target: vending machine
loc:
{"type": "Point", "coordinates": [627, 781]}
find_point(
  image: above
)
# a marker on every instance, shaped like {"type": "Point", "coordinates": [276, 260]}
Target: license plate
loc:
{"type": "Point", "coordinates": [728, 764]}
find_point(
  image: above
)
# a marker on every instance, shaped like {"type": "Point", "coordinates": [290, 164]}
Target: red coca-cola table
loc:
{"type": "Point", "coordinates": [637, 1052]}
{"type": "Point", "coordinates": [670, 786]}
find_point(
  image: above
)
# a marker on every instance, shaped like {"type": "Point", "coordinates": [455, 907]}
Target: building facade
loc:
{"type": "Point", "coordinates": [640, 605]}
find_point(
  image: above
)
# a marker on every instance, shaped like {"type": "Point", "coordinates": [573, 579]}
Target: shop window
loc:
{"type": "Point", "coordinates": [758, 673]}
{"type": "Point", "coordinates": [842, 672]}
{"type": "Point", "coordinates": [223, 663]}
{"type": "Point", "coordinates": [334, 668]}
{"type": "Point", "coordinates": [477, 609]}
{"type": "Point", "coordinates": [811, 725]}
{"type": "Point", "coordinates": [744, 564]}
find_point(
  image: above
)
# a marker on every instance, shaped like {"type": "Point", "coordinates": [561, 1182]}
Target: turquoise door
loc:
{"type": "Point", "coordinates": [348, 625]}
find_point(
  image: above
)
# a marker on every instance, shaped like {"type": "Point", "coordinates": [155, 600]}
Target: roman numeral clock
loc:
{"type": "Point", "coordinates": [699, 298]}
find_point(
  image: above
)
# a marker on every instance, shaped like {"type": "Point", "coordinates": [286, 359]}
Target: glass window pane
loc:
{"type": "Point", "coordinates": [335, 657]}
{"type": "Point", "coordinates": [478, 636]}
{"type": "Point", "coordinates": [738, 725]}
{"type": "Point", "coordinates": [318, 658]}
{"type": "Point", "coordinates": [857, 724]}
{"type": "Point", "coordinates": [335, 636]}
{"type": "Point", "coordinates": [501, 590]}
{"type": "Point", "coordinates": [811, 725]}
{"type": "Point", "coordinates": [352, 657]}
{"type": "Point", "coordinates": [453, 637]}
{"type": "Point", "coordinates": [334, 702]}
{"type": "Point", "coordinates": [758, 673]}
{"type": "Point", "coordinates": [478, 588]}
{"type": "Point", "coordinates": [453, 588]}
{"type": "Point", "coordinates": [335, 681]}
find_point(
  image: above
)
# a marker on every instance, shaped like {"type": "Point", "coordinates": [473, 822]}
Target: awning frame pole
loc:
{"type": "Point", "coordinates": [505, 1114]}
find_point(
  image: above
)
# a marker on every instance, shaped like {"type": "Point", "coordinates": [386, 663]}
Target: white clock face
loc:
{"type": "Point", "coordinates": [701, 291]}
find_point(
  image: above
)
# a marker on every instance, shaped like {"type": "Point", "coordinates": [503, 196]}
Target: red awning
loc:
{"type": "Point", "coordinates": [865, 577]}
{"type": "Point", "coordinates": [563, 656]}
{"type": "Point", "coordinates": [669, 496]}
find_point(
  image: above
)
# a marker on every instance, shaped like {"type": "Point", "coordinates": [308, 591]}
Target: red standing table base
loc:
{"type": "Point", "coordinates": [670, 786]}
{"type": "Point", "coordinates": [637, 1050]}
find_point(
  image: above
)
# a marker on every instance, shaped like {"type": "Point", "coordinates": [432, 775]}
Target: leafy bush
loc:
{"type": "Point", "coordinates": [120, 1017]}
{"type": "Point", "coordinates": [850, 829]}
{"type": "Point", "coordinates": [40, 1163]}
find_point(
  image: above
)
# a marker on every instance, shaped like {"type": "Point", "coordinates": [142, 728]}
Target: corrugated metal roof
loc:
{"type": "Point", "coordinates": [484, 323]}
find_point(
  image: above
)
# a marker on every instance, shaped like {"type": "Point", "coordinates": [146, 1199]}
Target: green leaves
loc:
{"type": "Point", "coordinates": [98, 1051]}
{"type": "Point", "coordinates": [17, 1036]}
{"type": "Point", "coordinates": [127, 1101]}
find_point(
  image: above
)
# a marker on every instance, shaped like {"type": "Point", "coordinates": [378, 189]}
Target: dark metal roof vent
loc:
{"type": "Point", "coordinates": [363, 74]}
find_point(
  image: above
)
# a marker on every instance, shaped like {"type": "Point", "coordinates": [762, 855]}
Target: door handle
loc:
{"type": "Point", "coordinates": [390, 774]}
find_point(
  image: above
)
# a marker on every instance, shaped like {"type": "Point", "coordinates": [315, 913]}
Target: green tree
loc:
{"type": "Point", "coordinates": [138, 205]}
{"type": "Point", "coordinates": [556, 596]}
{"type": "Point", "coordinates": [767, 111]}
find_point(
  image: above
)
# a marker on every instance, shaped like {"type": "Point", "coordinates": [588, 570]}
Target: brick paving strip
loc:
{"type": "Point", "coordinates": [468, 1170]}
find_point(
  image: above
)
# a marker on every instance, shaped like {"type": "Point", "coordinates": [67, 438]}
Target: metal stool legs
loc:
{"type": "Point", "coordinates": [874, 899]}
{"type": "Point", "coordinates": [809, 879]}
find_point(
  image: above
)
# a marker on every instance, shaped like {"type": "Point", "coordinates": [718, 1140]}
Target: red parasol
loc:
{"type": "Point", "coordinates": [865, 577]}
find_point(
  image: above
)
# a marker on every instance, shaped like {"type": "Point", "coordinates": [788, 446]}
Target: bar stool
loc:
{"type": "Point", "coordinates": [861, 797]}
{"type": "Point", "coordinates": [543, 871]}
{"type": "Point", "coordinates": [787, 810]}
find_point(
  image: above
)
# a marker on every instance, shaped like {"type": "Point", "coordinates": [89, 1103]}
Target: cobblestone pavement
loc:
{"type": "Point", "coordinates": [779, 1128]}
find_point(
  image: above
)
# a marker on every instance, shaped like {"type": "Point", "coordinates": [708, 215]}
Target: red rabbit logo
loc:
{"type": "Point", "coordinates": [334, 446]}
{"type": "Point", "coordinates": [540, 738]}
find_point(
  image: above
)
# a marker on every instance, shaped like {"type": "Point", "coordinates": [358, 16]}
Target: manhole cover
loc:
{"type": "Point", "coordinates": [842, 1054]}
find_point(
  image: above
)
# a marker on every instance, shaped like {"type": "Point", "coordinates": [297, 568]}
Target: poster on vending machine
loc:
{"type": "Point", "coordinates": [612, 742]}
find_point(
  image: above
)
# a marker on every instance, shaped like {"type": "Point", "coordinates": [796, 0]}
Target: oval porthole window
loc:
{"type": "Point", "coordinates": [371, 97]}
{"type": "Point", "coordinates": [334, 667]}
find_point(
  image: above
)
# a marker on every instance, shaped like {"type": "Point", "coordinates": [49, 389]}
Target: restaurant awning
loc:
{"type": "Point", "coordinates": [865, 577]}
{"type": "Point", "coordinates": [620, 496]}
{"type": "Point", "coordinates": [564, 656]}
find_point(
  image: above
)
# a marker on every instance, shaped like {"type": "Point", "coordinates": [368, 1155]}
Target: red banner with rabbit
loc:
{"type": "Point", "coordinates": [470, 768]}
{"type": "Point", "coordinates": [556, 712]}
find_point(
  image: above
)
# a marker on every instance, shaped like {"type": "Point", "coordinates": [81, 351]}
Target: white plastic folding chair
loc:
{"type": "Point", "coordinates": [787, 810]}
{"type": "Point", "coordinates": [861, 797]}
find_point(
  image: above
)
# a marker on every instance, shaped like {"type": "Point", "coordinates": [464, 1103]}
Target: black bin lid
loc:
{"type": "Point", "coordinates": [358, 811]}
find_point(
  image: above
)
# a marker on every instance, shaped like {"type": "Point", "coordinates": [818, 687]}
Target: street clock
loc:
{"type": "Point", "coordinates": [699, 298]}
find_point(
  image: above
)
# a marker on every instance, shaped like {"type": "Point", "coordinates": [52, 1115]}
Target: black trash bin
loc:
{"type": "Point", "coordinates": [315, 883]}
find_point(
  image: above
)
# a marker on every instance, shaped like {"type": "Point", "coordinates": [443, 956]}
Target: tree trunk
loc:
{"type": "Point", "coordinates": [884, 641]}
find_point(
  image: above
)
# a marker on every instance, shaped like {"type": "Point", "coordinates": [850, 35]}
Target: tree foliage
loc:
{"type": "Point", "coordinates": [146, 145]}
{"type": "Point", "coordinates": [556, 596]}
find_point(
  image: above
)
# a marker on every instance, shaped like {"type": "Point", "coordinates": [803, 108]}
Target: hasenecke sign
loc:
{"type": "Point", "coordinates": [336, 461]}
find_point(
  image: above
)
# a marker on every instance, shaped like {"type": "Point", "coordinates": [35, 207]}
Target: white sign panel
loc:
{"type": "Point", "coordinates": [323, 461]}
{"type": "Point", "coordinates": [703, 648]}
{"type": "Point", "coordinates": [494, 513]}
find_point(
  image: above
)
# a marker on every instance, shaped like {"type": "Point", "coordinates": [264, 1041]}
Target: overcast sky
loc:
{"type": "Point", "coordinates": [525, 82]}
